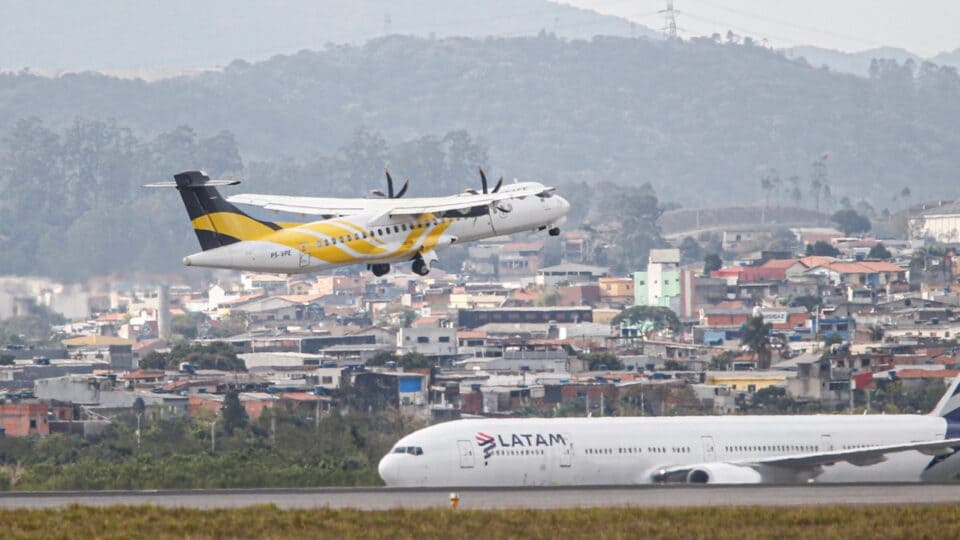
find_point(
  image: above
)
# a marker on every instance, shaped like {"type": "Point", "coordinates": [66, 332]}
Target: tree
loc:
{"type": "Point", "coordinates": [661, 317]}
{"type": "Point", "coordinates": [712, 263]}
{"type": "Point", "coordinates": [234, 414]}
{"type": "Point", "coordinates": [412, 360]}
{"type": "Point", "coordinates": [216, 355]}
{"type": "Point", "coordinates": [690, 250]}
{"type": "Point", "coordinates": [601, 361]}
{"type": "Point", "coordinates": [7, 359]}
{"type": "Point", "coordinates": [879, 251]}
{"type": "Point", "coordinates": [850, 222]}
{"type": "Point", "coordinates": [822, 249]}
{"type": "Point", "coordinates": [755, 334]}
{"type": "Point", "coordinates": [381, 359]}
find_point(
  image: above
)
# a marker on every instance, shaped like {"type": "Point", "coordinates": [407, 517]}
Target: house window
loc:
{"type": "Point", "coordinates": [33, 423]}
{"type": "Point", "coordinates": [327, 380]}
{"type": "Point", "coordinates": [423, 339]}
{"type": "Point", "coordinates": [444, 339]}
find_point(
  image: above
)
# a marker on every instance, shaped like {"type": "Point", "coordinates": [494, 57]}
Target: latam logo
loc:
{"type": "Point", "coordinates": [489, 443]}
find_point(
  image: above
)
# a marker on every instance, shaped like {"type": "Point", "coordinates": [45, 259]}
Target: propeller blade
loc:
{"type": "Point", "coordinates": [403, 189]}
{"type": "Point", "coordinates": [483, 179]}
{"type": "Point", "coordinates": [389, 183]}
{"type": "Point", "coordinates": [497, 187]}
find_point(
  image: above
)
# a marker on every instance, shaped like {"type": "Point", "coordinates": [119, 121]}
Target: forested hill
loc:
{"type": "Point", "coordinates": [701, 121]}
{"type": "Point", "coordinates": [704, 123]}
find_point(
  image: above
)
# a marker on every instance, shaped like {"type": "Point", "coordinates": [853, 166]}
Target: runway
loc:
{"type": "Point", "coordinates": [475, 498]}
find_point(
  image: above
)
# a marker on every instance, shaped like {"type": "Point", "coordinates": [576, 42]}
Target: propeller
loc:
{"type": "Point", "coordinates": [483, 181]}
{"type": "Point", "coordinates": [390, 194]}
{"type": "Point", "coordinates": [504, 207]}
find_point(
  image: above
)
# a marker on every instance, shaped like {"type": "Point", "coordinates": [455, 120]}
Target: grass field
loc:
{"type": "Point", "coordinates": [934, 522]}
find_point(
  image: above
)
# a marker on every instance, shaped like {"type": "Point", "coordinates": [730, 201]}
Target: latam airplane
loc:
{"type": "Point", "coordinates": [690, 449]}
{"type": "Point", "coordinates": [377, 231]}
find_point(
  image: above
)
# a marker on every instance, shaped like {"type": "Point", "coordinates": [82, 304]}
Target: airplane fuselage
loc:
{"type": "Point", "coordinates": [371, 239]}
{"type": "Point", "coordinates": [629, 451]}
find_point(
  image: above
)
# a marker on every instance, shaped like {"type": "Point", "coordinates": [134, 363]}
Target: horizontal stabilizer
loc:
{"type": "Point", "coordinates": [208, 183]}
{"type": "Point", "coordinates": [193, 179]}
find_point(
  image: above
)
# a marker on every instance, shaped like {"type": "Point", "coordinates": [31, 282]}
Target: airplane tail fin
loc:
{"type": "Point", "coordinates": [216, 222]}
{"type": "Point", "coordinates": [949, 405]}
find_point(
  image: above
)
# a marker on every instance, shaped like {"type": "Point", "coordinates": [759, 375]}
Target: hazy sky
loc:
{"type": "Point", "coordinates": [925, 27]}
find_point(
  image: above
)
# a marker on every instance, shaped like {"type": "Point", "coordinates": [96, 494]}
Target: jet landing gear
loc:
{"type": "Point", "coordinates": [420, 267]}
{"type": "Point", "coordinates": [379, 269]}
{"type": "Point", "coordinates": [555, 231]}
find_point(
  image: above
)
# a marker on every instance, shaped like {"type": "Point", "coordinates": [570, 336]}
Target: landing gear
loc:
{"type": "Point", "coordinates": [420, 267]}
{"type": "Point", "coordinates": [379, 269]}
{"type": "Point", "coordinates": [555, 231]}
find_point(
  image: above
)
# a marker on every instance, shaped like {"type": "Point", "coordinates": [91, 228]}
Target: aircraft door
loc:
{"type": "Point", "coordinates": [466, 454]}
{"type": "Point", "coordinates": [826, 443]}
{"type": "Point", "coordinates": [709, 450]}
{"type": "Point", "coordinates": [566, 451]}
{"type": "Point", "coordinates": [304, 255]}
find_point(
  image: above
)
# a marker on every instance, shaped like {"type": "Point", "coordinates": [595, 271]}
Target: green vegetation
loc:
{"type": "Point", "coordinates": [216, 355]}
{"type": "Point", "coordinates": [739, 523]}
{"type": "Point", "coordinates": [755, 334]}
{"type": "Point", "coordinates": [600, 361]}
{"type": "Point", "coordinates": [410, 360]}
{"type": "Point", "coordinates": [822, 249]}
{"type": "Point", "coordinates": [879, 251]}
{"type": "Point", "coordinates": [661, 317]}
{"type": "Point", "coordinates": [712, 263]}
{"type": "Point", "coordinates": [282, 448]}
{"type": "Point", "coordinates": [850, 222]}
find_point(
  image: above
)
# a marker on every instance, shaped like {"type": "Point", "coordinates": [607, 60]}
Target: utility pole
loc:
{"type": "Point", "coordinates": [213, 435]}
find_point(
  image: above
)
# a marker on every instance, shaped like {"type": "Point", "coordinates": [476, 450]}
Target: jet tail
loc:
{"type": "Point", "coordinates": [216, 222]}
{"type": "Point", "coordinates": [949, 405]}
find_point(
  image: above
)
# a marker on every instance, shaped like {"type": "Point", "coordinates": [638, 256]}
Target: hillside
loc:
{"type": "Point", "coordinates": [701, 122]}
{"type": "Point", "coordinates": [174, 34]}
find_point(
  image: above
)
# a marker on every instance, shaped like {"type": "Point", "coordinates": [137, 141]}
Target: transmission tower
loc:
{"type": "Point", "coordinates": [670, 20]}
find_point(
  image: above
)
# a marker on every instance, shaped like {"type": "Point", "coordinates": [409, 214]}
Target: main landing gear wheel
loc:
{"type": "Point", "coordinates": [554, 231]}
{"type": "Point", "coordinates": [420, 267]}
{"type": "Point", "coordinates": [380, 269]}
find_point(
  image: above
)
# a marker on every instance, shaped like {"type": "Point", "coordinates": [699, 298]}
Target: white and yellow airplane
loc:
{"type": "Point", "coordinates": [377, 231]}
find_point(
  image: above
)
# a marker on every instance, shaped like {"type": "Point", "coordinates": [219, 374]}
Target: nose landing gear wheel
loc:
{"type": "Point", "coordinates": [554, 231]}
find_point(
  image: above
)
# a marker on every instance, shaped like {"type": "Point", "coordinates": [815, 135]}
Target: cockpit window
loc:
{"type": "Point", "coordinates": [415, 450]}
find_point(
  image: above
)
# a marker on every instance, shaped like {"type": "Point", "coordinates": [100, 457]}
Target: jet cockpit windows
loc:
{"type": "Point", "coordinates": [413, 450]}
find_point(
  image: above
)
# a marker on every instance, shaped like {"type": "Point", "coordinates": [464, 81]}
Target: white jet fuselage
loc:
{"type": "Point", "coordinates": [628, 451]}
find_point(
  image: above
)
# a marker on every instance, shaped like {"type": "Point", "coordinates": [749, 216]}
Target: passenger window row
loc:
{"type": "Point", "coordinates": [383, 231]}
{"type": "Point", "coordinates": [525, 452]}
{"type": "Point", "coordinates": [773, 448]}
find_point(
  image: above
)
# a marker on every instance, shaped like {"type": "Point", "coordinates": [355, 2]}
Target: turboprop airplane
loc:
{"type": "Point", "coordinates": [378, 231]}
{"type": "Point", "coordinates": [682, 449]}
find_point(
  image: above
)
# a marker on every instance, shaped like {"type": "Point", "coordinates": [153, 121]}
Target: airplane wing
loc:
{"type": "Point", "coordinates": [322, 206]}
{"type": "Point", "coordinates": [462, 203]}
{"type": "Point", "coordinates": [755, 470]}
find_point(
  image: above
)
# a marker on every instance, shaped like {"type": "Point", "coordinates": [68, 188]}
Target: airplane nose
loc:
{"type": "Point", "coordinates": [564, 205]}
{"type": "Point", "coordinates": [388, 470]}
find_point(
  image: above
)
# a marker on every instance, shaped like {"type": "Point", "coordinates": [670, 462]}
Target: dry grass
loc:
{"type": "Point", "coordinates": [934, 522]}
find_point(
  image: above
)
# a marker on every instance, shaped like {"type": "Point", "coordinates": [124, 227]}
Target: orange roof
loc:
{"type": "Point", "coordinates": [471, 334]}
{"type": "Point", "coordinates": [110, 317]}
{"type": "Point", "coordinates": [301, 298]}
{"type": "Point", "coordinates": [864, 267]}
{"type": "Point", "coordinates": [779, 263]}
{"type": "Point", "coordinates": [300, 396]}
{"type": "Point", "coordinates": [523, 246]}
{"type": "Point", "coordinates": [816, 260]}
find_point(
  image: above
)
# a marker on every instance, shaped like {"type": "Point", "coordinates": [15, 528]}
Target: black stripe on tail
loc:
{"type": "Point", "coordinates": [201, 200]}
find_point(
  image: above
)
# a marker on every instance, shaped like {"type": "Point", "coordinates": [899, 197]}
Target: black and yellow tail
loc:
{"type": "Point", "coordinates": [216, 222]}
